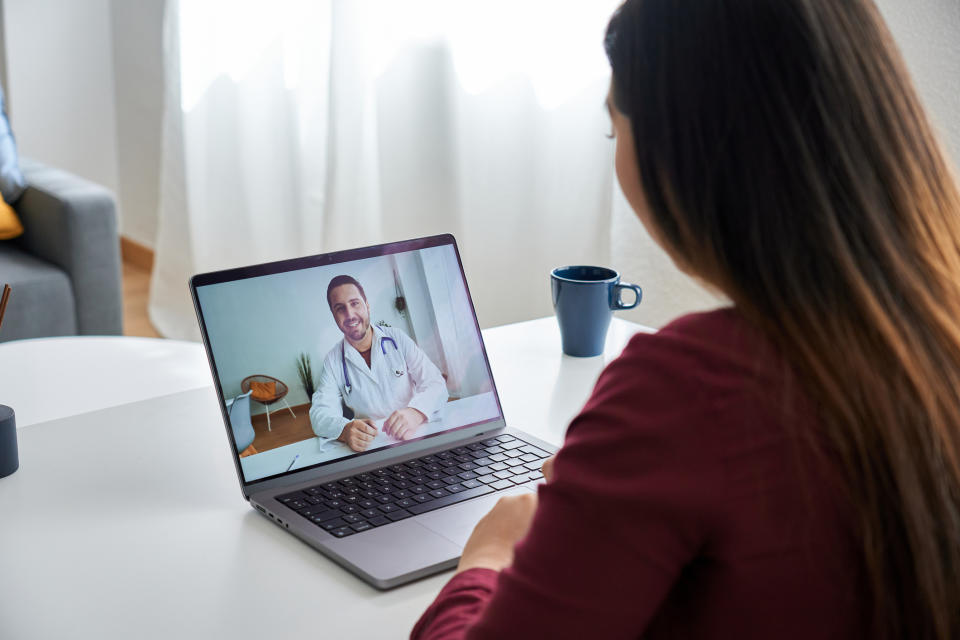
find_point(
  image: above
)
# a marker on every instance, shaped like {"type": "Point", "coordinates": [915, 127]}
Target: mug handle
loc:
{"type": "Point", "coordinates": [618, 304]}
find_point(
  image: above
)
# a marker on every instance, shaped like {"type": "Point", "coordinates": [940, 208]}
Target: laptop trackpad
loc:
{"type": "Point", "coordinates": [456, 522]}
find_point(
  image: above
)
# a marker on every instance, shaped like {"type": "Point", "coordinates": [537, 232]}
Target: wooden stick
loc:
{"type": "Point", "coordinates": [3, 301]}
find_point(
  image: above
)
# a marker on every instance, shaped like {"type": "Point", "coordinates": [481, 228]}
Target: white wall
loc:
{"type": "Point", "coordinates": [456, 327]}
{"type": "Point", "coordinates": [441, 318]}
{"type": "Point", "coordinates": [420, 312]}
{"type": "Point", "coordinates": [928, 34]}
{"type": "Point", "coordinates": [60, 72]}
{"type": "Point", "coordinates": [137, 28]}
{"type": "Point", "coordinates": [3, 52]}
{"type": "Point", "coordinates": [85, 85]}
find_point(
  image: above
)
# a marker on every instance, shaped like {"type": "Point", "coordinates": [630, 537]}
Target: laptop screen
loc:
{"type": "Point", "coordinates": [339, 355]}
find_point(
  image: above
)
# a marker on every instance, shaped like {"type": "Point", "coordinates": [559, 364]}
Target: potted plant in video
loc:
{"type": "Point", "coordinates": [305, 371]}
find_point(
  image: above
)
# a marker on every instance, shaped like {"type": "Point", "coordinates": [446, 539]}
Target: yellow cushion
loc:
{"type": "Point", "coordinates": [263, 390]}
{"type": "Point", "coordinates": [10, 226]}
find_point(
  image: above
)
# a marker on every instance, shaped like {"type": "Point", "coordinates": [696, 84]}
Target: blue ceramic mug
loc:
{"type": "Point", "coordinates": [584, 299]}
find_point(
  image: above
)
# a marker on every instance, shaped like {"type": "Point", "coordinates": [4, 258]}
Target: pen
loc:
{"type": "Point", "coordinates": [297, 457]}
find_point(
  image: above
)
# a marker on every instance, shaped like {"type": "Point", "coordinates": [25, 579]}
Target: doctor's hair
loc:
{"type": "Point", "coordinates": [784, 156]}
{"type": "Point", "coordinates": [339, 281]}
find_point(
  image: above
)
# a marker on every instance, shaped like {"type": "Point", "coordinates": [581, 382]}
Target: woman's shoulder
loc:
{"type": "Point", "coordinates": [713, 353]}
{"type": "Point", "coordinates": [719, 337]}
{"type": "Point", "coordinates": [678, 404]}
{"type": "Point", "coordinates": [688, 379]}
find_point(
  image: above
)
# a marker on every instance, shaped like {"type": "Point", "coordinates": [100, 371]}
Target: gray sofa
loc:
{"type": "Point", "coordinates": [65, 268]}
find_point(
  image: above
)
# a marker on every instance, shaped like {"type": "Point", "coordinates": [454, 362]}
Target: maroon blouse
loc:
{"type": "Point", "coordinates": [687, 501]}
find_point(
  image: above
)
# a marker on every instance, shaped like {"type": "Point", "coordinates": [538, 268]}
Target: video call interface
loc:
{"type": "Point", "coordinates": [339, 360]}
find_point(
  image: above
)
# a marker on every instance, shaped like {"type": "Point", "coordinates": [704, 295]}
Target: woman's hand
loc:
{"type": "Point", "coordinates": [547, 468]}
{"type": "Point", "coordinates": [491, 544]}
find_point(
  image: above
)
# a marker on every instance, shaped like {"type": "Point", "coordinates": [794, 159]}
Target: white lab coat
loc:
{"type": "Point", "coordinates": [377, 390]}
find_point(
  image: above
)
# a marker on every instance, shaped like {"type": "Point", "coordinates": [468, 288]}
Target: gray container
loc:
{"type": "Point", "coordinates": [9, 461]}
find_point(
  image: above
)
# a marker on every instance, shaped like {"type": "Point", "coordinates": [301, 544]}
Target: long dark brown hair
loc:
{"type": "Point", "coordinates": [785, 157]}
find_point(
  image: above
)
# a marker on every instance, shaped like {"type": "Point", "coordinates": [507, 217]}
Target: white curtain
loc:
{"type": "Point", "coordinates": [295, 127]}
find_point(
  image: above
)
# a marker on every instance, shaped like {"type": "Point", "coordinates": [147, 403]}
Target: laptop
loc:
{"type": "Point", "coordinates": [383, 342]}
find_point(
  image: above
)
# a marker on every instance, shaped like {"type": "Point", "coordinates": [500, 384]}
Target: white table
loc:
{"type": "Point", "coordinates": [126, 520]}
{"type": "Point", "coordinates": [48, 378]}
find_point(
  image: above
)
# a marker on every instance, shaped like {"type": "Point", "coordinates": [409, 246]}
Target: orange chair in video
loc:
{"type": "Point", "coordinates": [266, 390]}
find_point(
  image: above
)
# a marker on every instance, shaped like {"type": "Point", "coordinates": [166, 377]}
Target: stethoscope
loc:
{"type": "Point", "coordinates": [383, 349]}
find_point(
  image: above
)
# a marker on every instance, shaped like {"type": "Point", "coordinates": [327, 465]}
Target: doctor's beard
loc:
{"type": "Point", "coordinates": [357, 332]}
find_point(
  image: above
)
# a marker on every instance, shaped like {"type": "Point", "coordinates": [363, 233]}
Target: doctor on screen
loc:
{"type": "Point", "coordinates": [379, 372]}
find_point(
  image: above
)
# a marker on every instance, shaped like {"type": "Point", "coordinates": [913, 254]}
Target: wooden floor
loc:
{"type": "Point", "coordinates": [136, 293]}
{"type": "Point", "coordinates": [285, 429]}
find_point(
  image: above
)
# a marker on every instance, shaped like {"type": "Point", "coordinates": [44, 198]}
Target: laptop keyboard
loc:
{"type": "Point", "coordinates": [376, 498]}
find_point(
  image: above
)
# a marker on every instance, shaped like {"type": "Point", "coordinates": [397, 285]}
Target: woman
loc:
{"type": "Point", "coordinates": [789, 467]}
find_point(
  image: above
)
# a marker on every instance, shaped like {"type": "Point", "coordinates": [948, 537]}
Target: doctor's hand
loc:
{"type": "Point", "coordinates": [358, 434]}
{"type": "Point", "coordinates": [403, 423]}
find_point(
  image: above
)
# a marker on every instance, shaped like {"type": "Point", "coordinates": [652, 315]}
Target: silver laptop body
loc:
{"type": "Point", "coordinates": [244, 312]}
